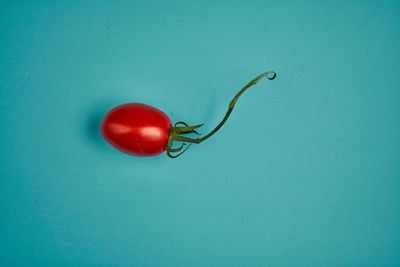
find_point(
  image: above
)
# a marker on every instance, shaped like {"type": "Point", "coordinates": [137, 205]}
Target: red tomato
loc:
{"type": "Point", "coordinates": [142, 130]}
{"type": "Point", "coordinates": [137, 129]}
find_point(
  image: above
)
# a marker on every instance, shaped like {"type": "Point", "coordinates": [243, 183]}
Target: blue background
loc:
{"type": "Point", "coordinates": [305, 172]}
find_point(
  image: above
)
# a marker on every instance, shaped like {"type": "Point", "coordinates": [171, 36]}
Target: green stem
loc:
{"type": "Point", "coordinates": [228, 113]}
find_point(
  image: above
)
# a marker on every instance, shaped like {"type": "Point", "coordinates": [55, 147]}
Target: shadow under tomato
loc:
{"type": "Point", "coordinates": [93, 119]}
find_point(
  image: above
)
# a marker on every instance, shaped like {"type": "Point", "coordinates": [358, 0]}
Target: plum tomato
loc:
{"type": "Point", "coordinates": [142, 130]}
{"type": "Point", "coordinates": [137, 129]}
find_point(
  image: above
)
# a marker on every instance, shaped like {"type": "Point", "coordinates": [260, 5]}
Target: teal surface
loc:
{"type": "Point", "coordinates": [305, 172]}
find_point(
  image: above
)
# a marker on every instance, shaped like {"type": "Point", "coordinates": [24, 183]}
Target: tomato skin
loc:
{"type": "Point", "coordinates": [137, 129]}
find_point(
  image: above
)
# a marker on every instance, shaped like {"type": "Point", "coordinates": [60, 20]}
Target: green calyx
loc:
{"type": "Point", "coordinates": [183, 128]}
